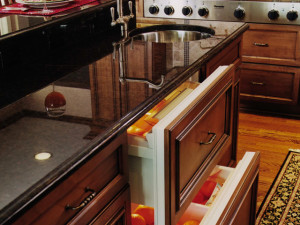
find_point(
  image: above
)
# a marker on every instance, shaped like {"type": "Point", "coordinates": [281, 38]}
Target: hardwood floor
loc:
{"type": "Point", "coordinates": [272, 137]}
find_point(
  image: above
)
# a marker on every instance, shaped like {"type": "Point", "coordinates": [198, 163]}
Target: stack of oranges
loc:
{"type": "Point", "coordinates": [143, 215]}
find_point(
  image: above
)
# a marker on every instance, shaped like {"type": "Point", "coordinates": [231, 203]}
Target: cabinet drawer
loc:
{"type": "Point", "coordinates": [234, 202]}
{"type": "Point", "coordinates": [116, 212]}
{"type": "Point", "coordinates": [191, 161]}
{"type": "Point", "coordinates": [104, 174]}
{"type": "Point", "coordinates": [195, 143]}
{"type": "Point", "coordinates": [269, 83]}
{"type": "Point", "coordinates": [274, 44]}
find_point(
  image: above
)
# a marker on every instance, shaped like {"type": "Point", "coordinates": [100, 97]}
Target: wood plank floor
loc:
{"type": "Point", "coordinates": [272, 137]}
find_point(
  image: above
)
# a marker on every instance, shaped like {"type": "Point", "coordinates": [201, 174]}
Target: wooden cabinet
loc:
{"type": "Point", "coordinates": [87, 192]}
{"type": "Point", "coordinates": [271, 68]}
{"type": "Point", "coordinates": [272, 44]}
{"type": "Point", "coordinates": [184, 147]}
{"type": "Point", "coordinates": [270, 83]}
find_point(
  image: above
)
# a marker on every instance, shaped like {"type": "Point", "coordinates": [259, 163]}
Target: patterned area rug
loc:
{"type": "Point", "coordinates": [282, 203]}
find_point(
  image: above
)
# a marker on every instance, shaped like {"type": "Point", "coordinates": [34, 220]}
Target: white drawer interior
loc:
{"type": "Point", "coordinates": [197, 211]}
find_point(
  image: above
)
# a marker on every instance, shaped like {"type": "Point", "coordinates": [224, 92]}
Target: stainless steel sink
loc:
{"type": "Point", "coordinates": [171, 33]}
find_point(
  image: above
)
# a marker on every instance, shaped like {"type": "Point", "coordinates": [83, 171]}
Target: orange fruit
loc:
{"type": "Point", "coordinates": [147, 212]}
{"type": "Point", "coordinates": [208, 188]}
{"type": "Point", "coordinates": [192, 222]}
{"type": "Point", "coordinates": [137, 219]}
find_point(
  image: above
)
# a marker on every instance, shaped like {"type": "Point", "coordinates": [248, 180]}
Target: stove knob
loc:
{"type": "Point", "coordinates": [273, 14]}
{"type": "Point", "coordinates": [153, 9]}
{"type": "Point", "coordinates": [292, 15]}
{"type": "Point", "coordinates": [203, 11]}
{"type": "Point", "coordinates": [169, 10]}
{"type": "Point", "coordinates": [239, 13]}
{"type": "Point", "coordinates": [187, 10]}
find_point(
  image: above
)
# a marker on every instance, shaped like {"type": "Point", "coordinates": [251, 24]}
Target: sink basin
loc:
{"type": "Point", "coordinates": [171, 33]}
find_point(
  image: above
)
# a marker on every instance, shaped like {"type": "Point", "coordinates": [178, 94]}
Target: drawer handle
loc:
{"type": "Point", "coordinates": [261, 44]}
{"type": "Point", "coordinates": [213, 137]}
{"type": "Point", "coordinates": [257, 83]}
{"type": "Point", "coordinates": [84, 202]}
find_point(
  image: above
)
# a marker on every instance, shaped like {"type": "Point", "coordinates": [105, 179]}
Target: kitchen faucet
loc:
{"type": "Point", "coordinates": [123, 20]}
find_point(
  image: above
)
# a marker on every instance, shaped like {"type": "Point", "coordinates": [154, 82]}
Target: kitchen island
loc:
{"type": "Point", "coordinates": [97, 108]}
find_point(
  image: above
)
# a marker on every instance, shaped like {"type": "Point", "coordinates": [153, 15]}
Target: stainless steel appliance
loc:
{"type": "Point", "coordinates": [245, 11]}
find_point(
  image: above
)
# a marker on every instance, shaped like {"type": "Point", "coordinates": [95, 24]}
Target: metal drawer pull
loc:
{"type": "Point", "coordinates": [261, 44]}
{"type": "Point", "coordinates": [84, 202]}
{"type": "Point", "coordinates": [257, 83]}
{"type": "Point", "coordinates": [213, 137]}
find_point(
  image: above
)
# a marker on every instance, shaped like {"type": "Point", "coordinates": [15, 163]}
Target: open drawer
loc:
{"type": "Point", "coordinates": [232, 201]}
{"type": "Point", "coordinates": [171, 159]}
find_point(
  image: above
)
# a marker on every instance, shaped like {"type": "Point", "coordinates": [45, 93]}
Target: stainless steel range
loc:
{"type": "Point", "coordinates": [246, 11]}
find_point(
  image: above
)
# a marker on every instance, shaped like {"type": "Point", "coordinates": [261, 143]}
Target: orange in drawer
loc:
{"type": "Point", "coordinates": [234, 200]}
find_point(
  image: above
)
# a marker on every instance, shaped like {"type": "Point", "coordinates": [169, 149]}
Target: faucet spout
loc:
{"type": "Point", "coordinates": [120, 8]}
{"type": "Point", "coordinates": [123, 20]}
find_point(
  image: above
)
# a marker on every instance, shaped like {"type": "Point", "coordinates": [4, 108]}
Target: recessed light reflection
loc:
{"type": "Point", "coordinates": [42, 156]}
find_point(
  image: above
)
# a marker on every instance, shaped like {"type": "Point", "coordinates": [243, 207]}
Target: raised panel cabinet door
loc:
{"type": "Point", "coordinates": [272, 44]}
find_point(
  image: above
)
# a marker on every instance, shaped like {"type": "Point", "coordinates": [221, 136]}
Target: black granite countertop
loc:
{"type": "Point", "coordinates": [19, 24]}
{"type": "Point", "coordinates": [98, 106]}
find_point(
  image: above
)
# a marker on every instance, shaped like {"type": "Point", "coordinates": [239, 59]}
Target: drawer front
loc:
{"type": "Point", "coordinates": [116, 213]}
{"type": "Point", "coordinates": [269, 83]}
{"type": "Point", "coordinates": [105, 173]}
{"type": "Point", "coordinates": [271, 44]}
{"type": "Point", "coordinates": [198, 142]}
{"type": "Point", "coordinates": [195, 143]}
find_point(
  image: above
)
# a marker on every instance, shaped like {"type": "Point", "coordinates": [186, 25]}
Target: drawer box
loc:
{"type": "Point", "coordinates": [105, 175]}
{"type": "Point", "coordinates": [272, 44]}
{"type": "Point", "coordinates": [235, 202]}
{"type": "Point", "coordinates": [267, 83]}
{"type": "Point", "coordinates": [167, 167]}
